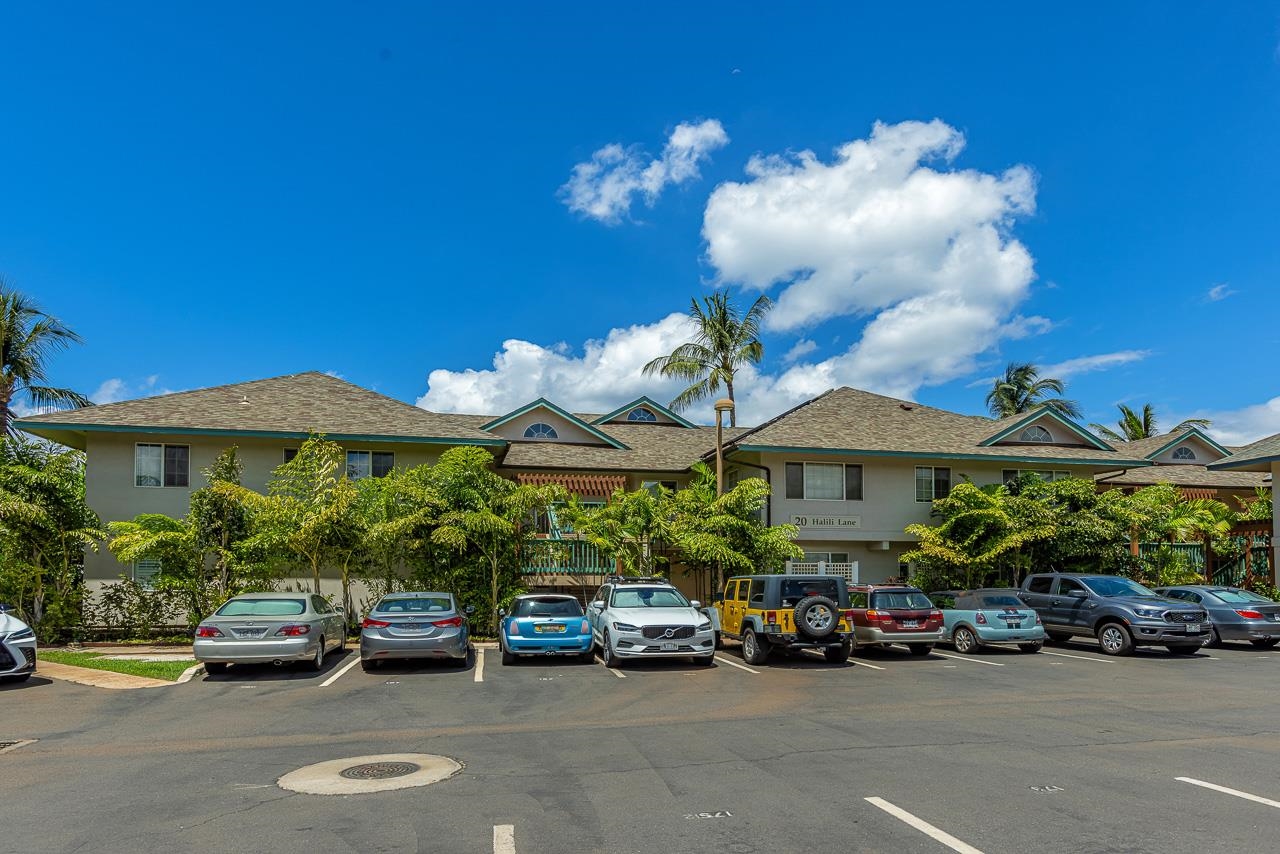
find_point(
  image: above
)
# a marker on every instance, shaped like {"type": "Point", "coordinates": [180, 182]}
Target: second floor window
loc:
{"type": "Point", "coordinates": [361, 464]}
{"type": "Point", "coordinates": [932, 482]}
{"type": "Point", "coordinates": [824, 481]}
{"type": "Point", "coordinates": [1184, 454]}
{"type": "Point", "coordinates": [161, 465]}
{"type": "Point", "coordinates": [540, 431]}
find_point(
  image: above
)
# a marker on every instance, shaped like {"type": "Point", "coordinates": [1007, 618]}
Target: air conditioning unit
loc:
{"type": "Point", "coordinates": [878, 546]}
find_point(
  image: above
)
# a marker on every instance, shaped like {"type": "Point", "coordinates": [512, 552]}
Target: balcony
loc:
{"type": "Point", "coordinates": [565, 557]}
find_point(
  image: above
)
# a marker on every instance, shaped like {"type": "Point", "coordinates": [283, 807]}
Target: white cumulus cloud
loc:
{"type": "Point", "coordinates": [1219, 292]}
{"type": "Point", "coordinates": [1241, 426]}
{"type": "Point", "coordinates": [603, 187]}
{"type": "Point", "coordinates": [605, 375]}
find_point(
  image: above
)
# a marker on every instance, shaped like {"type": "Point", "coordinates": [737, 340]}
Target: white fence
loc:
{"type": "Point", "coordinates": [848, 571]}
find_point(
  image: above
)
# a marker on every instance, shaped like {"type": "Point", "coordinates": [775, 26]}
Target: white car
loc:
{"type": "Point", "coordinates": [17, 648]}
{"type": "Point", "coordinates": [648, 618]}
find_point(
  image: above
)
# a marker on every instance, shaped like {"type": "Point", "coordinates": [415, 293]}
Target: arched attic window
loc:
{"type": "Point", "coordinates": [540, 431]}
{"type": "Point", "coordinates": [642, 413]}
{"type": "Point", "coordinates": [1035, 433]}
{"type": "Point", "coordinates": [1184, 454]}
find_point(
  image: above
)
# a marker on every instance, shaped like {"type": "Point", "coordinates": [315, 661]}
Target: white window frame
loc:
{"type": "Point", "coordinates": [162, 446]}
{"type": "Point", "coordinates": [1054, 475]}
{"type": "Point", "coordinates": [1187, 453]}
{"type": "Point", "coordinates": [844, 481]}
{"type": "Point", "coordinates": [652, 419]}
{"type": "Point", "coordinates": [933, 483]}
{"type": "Point", "coordinates": [151, 568]}
{"type": "Point", "coordinates": [555, 434]}
{"type": "Point", "coordinates": [1023, 437]}
{"type": "Point", "coordinates": [828, 557]}
{"type": "Point", "coordinates": [369, 455]}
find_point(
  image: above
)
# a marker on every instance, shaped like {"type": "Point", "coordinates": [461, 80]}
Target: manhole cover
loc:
{"type": "Point", "coordinates": [379, 770]}
{"type": "Point", "coordinates": [362, 774]}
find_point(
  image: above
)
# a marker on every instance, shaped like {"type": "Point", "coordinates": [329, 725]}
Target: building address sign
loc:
{"type": "Point", "coordinates": [827, 521]}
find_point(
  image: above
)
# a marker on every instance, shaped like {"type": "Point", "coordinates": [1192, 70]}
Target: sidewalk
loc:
{"type": "Point", "coordinates": [98, 678]}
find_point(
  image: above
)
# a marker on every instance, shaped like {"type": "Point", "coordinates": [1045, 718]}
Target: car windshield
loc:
{"type": "Point", "coordinates": [793, 590]}
{"type": "Point", "coordinates": [1241, 597]}
{"type": "Point", "coordinates": [414, 605]}
{"type": "Point", "coordinates": [900, 599]}
{"type": "Point", "coordinates": [1116, 586]}
{"type": "Point", "coordinates": [262, 608]}
{"type": "Point", "coordinates": [649, 597]}
{"type": "Point", "coordinates": [547, 607]}
{"type": "Point", "coordinates": [1001, 600]}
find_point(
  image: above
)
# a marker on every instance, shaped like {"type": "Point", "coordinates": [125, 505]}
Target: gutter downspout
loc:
{"type": "Point", "coordinates": [768, 506]}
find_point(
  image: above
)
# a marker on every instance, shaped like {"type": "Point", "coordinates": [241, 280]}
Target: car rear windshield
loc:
{"type": "Point", "coordinates": [414, 604]}
{"type": "Point", "coordinates": [793, 590]}
{"type": "Point", "coordinates": [1000, 600]}
{"type": "Point", "coordinates": [546, 608]}
{"type": "Point", "coordinates": [1105, 585]}
{"type": "Point", "coordinates": [1242, 597]}
{"type": "Point", "coordinates": [262, 608]}
{"type": "Point", "coordinates": [650, 597]}
{"type": "Point", "coordinates": [887, 599]}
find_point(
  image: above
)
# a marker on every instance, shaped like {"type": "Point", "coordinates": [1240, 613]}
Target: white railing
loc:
{"type": "Point", "coordinates": [848, 571]}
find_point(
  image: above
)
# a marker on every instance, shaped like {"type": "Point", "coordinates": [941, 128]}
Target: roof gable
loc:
{"type": "Point", "coordinates": [1256, 457]}
{"type": "Point", "coordinates": [622, 414]}
{"type": "Point", "coordinates": [1204, 440]}
{"type": "Point", "coordinates": [516, 417]}
{"type": "Point", "coordinates": [1047, 419]}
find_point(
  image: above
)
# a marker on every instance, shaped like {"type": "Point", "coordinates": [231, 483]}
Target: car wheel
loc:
{"type": "Point", "coordinates": [816, 617]}
{"type": "Point", "coordinates": [368, 665]}
{"type": "Point", "coordinates": [1058, 637]}
{"type": "Point", "coordinates": [213, 667]}
{"type": "Point", "coordinates": [753, 651]}
{"type": "Point", "coordinates": [461, 662]}
{"type": "Point", "coordinates": [719, 641]}
{"type": "Point", "coordinates": [1114, 639]}
{"type": "Point", "coordinates": [704, 660]}
{"type": "Point", "coordinates": [610, 657]}
{"type": "Point", "coordinates": [838, 654]}
{"type": "Point", "coordinates": [1183, 648]}
{"type": "Point", "coordinates": [920, 648]}
{"type": "Point", "coordinates": [1214, 640]}
{"type": "Point", "coordinates": [1265, 643]}
{"type": "Point", "coordinates": [965, 640]}
{"type": "Point", "coordinates": [508, 658]}
{"type": "Point", "coordinates": [317, 663]}
{"type": "Point", "coordinates": [1031, 647]}
{"type": "Point", "coordinates": [342, 641]}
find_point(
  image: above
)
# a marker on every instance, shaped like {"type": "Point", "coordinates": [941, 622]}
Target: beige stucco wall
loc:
{"type": "Point", "coordinates": [566, 431]}
{"type": "Point", "coordinates": [110, 489]}
{"type": "Point", "coordinates": [1204, 453]}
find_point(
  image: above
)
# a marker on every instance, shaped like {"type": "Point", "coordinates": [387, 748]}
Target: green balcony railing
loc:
{"type": "Point", "coordinates": [566, 557]}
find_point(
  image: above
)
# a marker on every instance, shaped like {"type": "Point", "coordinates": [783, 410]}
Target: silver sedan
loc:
{"type": "Point", "coordinates": [1235, 614]}
{"type": "Point", "coordinates": [259, 628]}
{"type": "Point", "coordinates": [415, 625]}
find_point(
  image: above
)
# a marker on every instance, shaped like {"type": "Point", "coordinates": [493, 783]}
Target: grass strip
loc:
{"type": "Point", "coordinates": [167, 670]}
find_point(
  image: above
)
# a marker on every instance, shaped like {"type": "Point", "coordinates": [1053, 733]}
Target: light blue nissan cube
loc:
{"type": "Point", "coordinates": [973, 619]}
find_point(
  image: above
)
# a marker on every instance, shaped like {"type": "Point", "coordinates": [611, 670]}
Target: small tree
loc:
{"type": "Point", "coordinates": [626, 529]}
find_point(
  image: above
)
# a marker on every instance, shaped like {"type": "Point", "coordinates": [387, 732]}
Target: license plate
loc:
{"type": "Point", "coordinates": [411, 627]}
{"type": "Point", "coordinates": [670, 647]}
{"type": "Point", "coordinates": [553, 629]}
{"type": "Point", "coordinates": [1193, 628]}
{"type": "Point", "coordinates": [250, 633]}
{"type": "Point", "coordinates": [1013, 624]}
{"type": "Point", "coordinates": [911, 624]}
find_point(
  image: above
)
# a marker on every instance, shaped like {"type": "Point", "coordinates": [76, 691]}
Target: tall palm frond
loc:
{"type": "Point", "coordinates": [1022, 389]}
{"type": "Point", "coordinates": [28, 337]}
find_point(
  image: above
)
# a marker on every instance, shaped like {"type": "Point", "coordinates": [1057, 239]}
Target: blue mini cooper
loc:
{"type": "Point", "coordinates": [544, 624]}
{"type": "Point", "coordinates": [977, 618]}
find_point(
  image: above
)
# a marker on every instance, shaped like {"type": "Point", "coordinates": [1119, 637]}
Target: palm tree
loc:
{"type": "Point", "coordinates": [28, 337]}
{"type": "Point", "coordinates": [1134, 426]}
{"type": "Point", "coordinates": [1021, 390]}
{"type": "Point", "coordinates": [725, 340]}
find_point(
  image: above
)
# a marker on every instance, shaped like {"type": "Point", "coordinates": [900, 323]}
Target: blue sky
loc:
{"type": "Point", "coordinates": [212, 194]}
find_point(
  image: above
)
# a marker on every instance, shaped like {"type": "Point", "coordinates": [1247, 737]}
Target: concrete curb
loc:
{"type": "Point", "coordinates": [189, 674]}
{"type": "Point", "coordinates": [105, 678]}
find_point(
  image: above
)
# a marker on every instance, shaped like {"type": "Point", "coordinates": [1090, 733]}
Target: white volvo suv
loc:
{"type": "Point", "coordinates": [17, 648]}
{"type": "Point", "coordinates": [648, 618]}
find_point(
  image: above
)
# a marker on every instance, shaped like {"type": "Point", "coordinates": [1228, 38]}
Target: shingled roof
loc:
{"type": "Point", "coordinates": [1185, 475]}
{"type": "Point", "coordinates": [650, 448]}
{"type": "Point", "coordinates": [1256, 457]}
{"type": "Point", "coordinates": [291, 405]}
{"type": "Point", "coordinates": [847, 419]}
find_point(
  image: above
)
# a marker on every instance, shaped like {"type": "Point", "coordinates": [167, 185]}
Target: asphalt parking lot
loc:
{"type": "Point", "coordinates": [1066, 750]}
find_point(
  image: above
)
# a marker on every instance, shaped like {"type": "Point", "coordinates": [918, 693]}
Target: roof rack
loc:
{"type": "Point", "coordinates": [634, 579]}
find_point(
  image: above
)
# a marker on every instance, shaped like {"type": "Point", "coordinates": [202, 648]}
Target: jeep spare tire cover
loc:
{"type": "Point", "coordinates": [817, 616]}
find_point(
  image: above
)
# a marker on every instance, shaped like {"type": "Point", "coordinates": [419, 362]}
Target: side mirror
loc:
{"type": "Point", "coordinates": [469, 610]}
{"type": "Point", "coordinates": [1079, 594]}
{"type": "Point", "coordinates": [695, 603]}
{"type": "Point", "coordinates": [599, 603]}
{"type": "Point", "coordinates": [502, 612]}
{"type": "Point", "coordinates": [340, 609]}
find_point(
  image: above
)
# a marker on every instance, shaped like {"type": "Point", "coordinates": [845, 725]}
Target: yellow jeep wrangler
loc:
{"type": "Point", "coordinates": [788, 612]}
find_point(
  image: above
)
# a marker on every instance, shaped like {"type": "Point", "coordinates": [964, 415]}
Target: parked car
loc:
{"type": "Point", "coordinates": [894, 613]}
{"type": "Point", "coordinates": [17, 648]}
{"type": "Point", "coordinates": [415, 625]}
{"type": "Point", "coordinates": [545, 624]}
{"type": "Point", "coordinates": [260, 628]}
{"type": "Point", "coordinates": [1119, 612]}
{"type": "Point", "coordinates": [1234, 614]}
{"type": "Point", "coordinates": [973, 619]}
{"type": "Point", "coordinates": [785, 612]}
{"type": "Point", "coordinates": [648, 618]}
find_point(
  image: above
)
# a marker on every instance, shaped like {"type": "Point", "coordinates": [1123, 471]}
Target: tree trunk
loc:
{"type": "Point", "coordinates": [733, 413]}
{"type": "Point", "coordinates": [493, 593]}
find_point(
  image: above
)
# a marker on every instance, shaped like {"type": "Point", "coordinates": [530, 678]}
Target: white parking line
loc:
{"type": "Point", "coordinates": [864, 664]}
{"type": "Point", "coordinates": [923, 826]}
{"type": "Point", "coordinates": [334, 678]}
{"type": "Point", "coordinates": [504, 839]}
{"type": "Point", "coordinates": [1080, 657]}
{"type": "Point", "coordinates": [723, 660]}
{"type": "Point", "coordinates": [1236, 792]}
{"type": "Point", "coordinates": [479, 664]}
{"type": "Point", "coordinates": [967, 658]}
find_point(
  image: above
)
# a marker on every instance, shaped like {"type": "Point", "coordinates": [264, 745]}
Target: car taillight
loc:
{"type": "Point", "coordinates": [451, 623]}
{"type": "Point", "coordinates": [293, 631]}
{"type": "Point", "coordinates": [585, 627]}
{"type": "Point", "coordinates": [848, 616]}
{"type": "Point", "coordinates": [371, 623]}
{"type": "Point", "coordinates": [882, 616]}
{"type": "Point", "coordinates": [1250, 615]}
{"type": "Point", "coordinates": [935, 614]}
{"type": "Point", "coordinates": [1038, 623]}
{"type": "Point", "coordinates": [771, 617]}
{"type": "Point", "coordinates": [208, 632]}
{"type": "Point", "coordinates": [982, 619]}
{"type": "Point", "coordinates": [514, 628]}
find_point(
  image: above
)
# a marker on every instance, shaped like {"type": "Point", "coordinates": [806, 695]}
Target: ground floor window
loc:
{"type": "Point", "coordinates": [361, 464]}
{"type": "Point", "coordinates": [829, 557]}
{"type": "Point", "coordinates": [145, 571]}
{"type": "Point", "coordinates": [1047, 476]}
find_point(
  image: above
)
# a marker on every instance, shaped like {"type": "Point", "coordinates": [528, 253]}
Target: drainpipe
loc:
{"type": "Point", "coordinates": [768, 505]}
